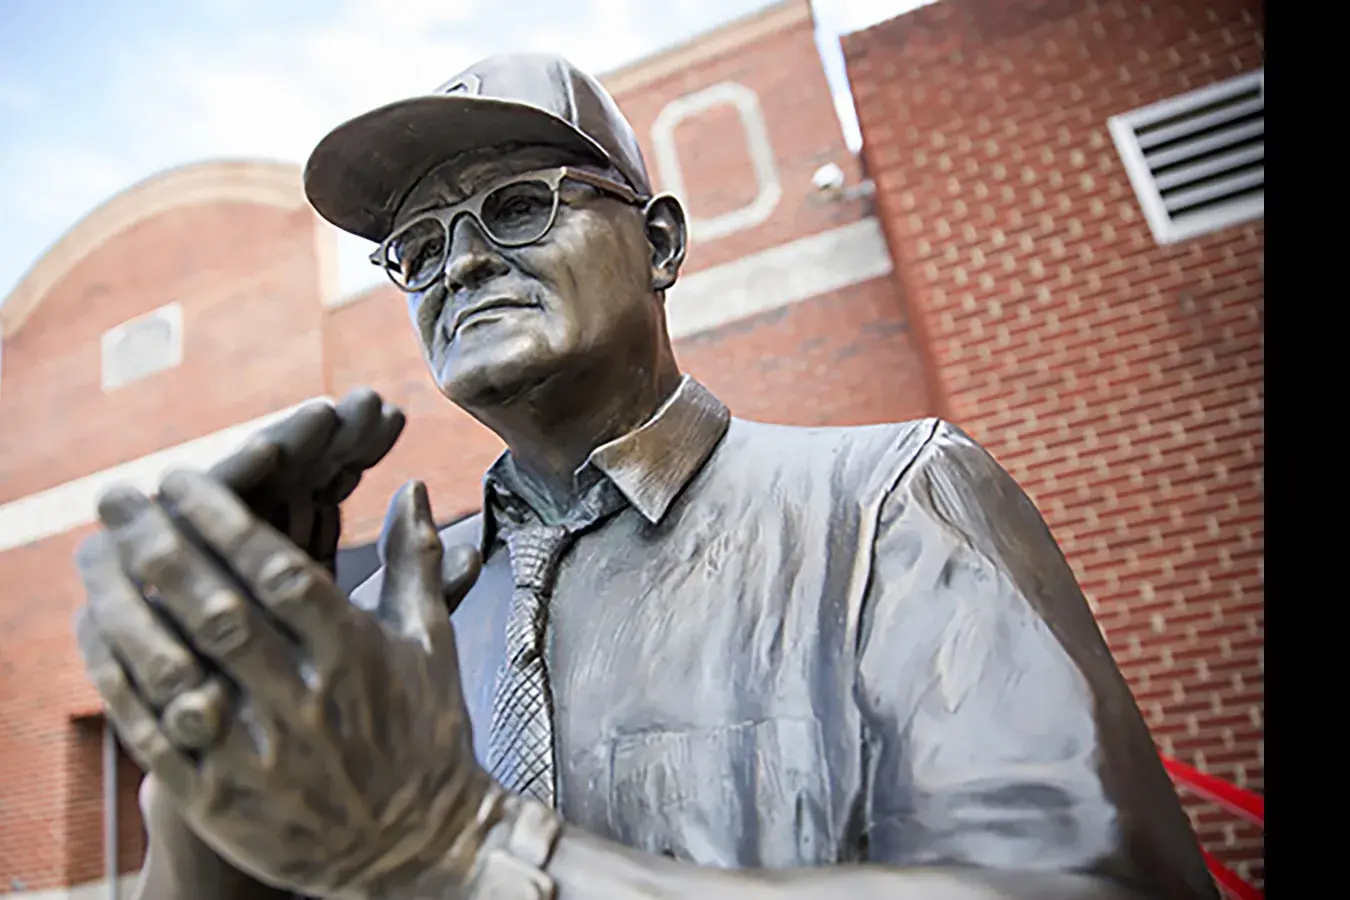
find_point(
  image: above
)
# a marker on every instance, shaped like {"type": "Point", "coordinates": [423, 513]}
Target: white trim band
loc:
{"type": "Point", "coordinates": [70, 505]}
{"type": "Point", "coordinates": [769, 187]}
{"type": "Point", "coordinates": [777, 277]}
{"type": "Point", "coordinates": [90, 890]}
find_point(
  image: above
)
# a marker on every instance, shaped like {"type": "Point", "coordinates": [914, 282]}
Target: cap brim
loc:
{"type": "Point", "coordinates": [359, 173]}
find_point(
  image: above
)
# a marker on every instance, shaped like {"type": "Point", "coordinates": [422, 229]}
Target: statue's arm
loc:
{"type": "Point", "coordinates": [585, 867]}
{"type": "Point", "coordinates": [1000, 734]}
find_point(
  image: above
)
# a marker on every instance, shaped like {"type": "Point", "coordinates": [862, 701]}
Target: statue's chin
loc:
{"type": "Point", "coordinates": [496, 380]}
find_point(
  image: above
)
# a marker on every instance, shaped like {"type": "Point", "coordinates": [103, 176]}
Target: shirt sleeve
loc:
{"type": "Point", "coordinates": [998, 731]}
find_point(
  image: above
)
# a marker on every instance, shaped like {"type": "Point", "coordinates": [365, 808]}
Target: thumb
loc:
{"type": "Point", "coordinates": [411, 598]}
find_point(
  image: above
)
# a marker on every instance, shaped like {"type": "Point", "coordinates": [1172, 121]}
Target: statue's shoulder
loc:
{"type": "Point", "coordinates": [879, 438]}
{"type": "Point", "coordinates": [852, 457]}
{"type": "Point", "coordinates": [805, 444]}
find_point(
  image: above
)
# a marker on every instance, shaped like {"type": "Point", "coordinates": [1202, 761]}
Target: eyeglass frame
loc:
{"type": "Point", "coordinates": [473, 207]}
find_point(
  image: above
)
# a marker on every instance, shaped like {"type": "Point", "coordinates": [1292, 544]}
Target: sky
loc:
{"type": "Point", "coordinates": [96, 95]}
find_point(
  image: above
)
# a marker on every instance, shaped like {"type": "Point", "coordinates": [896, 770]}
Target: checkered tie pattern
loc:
{"type": "Point", "coordinates": [520, 744]}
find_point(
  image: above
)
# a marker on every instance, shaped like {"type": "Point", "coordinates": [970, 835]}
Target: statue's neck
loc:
{"type": "Point", "coordinates": [551, 432]}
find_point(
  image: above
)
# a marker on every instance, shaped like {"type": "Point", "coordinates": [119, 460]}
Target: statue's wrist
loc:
{"type": "Point", "coordinates": [503, 852]}
{"type": "Point", "coordinates": [448, 866]}
{"type": "Point", "coordinates": [513, 860]}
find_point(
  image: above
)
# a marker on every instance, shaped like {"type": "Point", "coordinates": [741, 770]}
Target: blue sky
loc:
{"type": "Point", "coordinates": [96, 95]}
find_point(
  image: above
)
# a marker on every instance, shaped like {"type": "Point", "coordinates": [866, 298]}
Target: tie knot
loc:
{"type": "Point", "coordinates": [535, 549]}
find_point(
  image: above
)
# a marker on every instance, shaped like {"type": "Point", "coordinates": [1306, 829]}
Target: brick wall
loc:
{"type": "Point", "coordinates": [244, 275]}
{"type": "Point", "coordinates": [1120, 381]}
{"type": "Point", "coordinates": [775, 58]}
{"type": "Point", "coordinates": [45, 762]}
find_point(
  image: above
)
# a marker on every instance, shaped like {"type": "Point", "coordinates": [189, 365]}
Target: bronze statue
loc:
{"type": "Point", "coordinates": [691, 656]}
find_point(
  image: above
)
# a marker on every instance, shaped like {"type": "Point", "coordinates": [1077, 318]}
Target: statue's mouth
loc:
{"type": "Point", "coordinates": [469, 313]}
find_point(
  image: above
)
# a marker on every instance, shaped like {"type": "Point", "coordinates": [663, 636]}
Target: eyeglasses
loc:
{"type": "Point", "coordinates": [511, 213]}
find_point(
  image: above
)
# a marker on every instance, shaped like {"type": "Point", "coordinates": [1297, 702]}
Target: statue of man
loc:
{"type": "Point", "coordinates": [677, 655]}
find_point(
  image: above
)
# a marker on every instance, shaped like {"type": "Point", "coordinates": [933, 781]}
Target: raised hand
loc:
{"type": "Point", "coordinates": [296, 473]}
{"type": "Point", "coordinates": [312, 745]}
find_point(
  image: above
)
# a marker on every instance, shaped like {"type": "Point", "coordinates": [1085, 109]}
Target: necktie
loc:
{"type": "Point", "coordinates": [520, 746]}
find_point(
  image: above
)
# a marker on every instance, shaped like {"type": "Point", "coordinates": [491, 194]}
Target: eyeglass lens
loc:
{"type": "Point", "coordinates": [512, 215]}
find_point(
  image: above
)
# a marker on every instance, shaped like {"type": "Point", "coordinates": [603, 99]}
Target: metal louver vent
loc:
{"type": "Point", "coordinates": [1198, 162]}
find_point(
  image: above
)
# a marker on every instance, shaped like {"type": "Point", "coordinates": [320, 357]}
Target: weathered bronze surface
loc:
{"type": "Point", "coordinates": [678, 654]}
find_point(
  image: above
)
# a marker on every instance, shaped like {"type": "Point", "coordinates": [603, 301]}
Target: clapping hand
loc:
{"type": "Point", "coordinates": [313, 745]}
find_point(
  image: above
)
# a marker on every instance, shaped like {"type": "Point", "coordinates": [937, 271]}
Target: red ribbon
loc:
{"type": "Point", "coordinates": [1244, 803]}
{"type": "Point", "coordinates": [1247, 804]}
{"type": "Point", "coordinates": [1232, 885]}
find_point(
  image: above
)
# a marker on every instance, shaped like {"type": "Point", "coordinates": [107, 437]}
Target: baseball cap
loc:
{"type": "Point", "coordinates": [360, 172]}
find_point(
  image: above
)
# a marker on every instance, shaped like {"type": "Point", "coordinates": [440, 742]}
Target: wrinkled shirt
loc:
{"type": "Point", "coordinates": [806, 646]}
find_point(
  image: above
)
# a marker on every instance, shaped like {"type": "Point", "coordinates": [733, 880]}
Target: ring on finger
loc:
{"type": "Point", "coordinates": [193, 719]}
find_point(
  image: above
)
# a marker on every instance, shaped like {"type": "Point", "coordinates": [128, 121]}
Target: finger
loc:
{"type": "Point", "coordinates": [133, 720]}
{"type": "Point", "coordinates": [341, 487]}
{"type": "Point", "coordinates": [300, 436]}
{"type": "Point", "coordinates": [159, 665]}
{"type": "Point", "coordinates": [298, 523]}
{"type": "Point", "coordinates": [358, 416]}
{"type": "Point", "coordinates": [411, 599]}
{"type": "Point", "coordinates": [280, 576]}
{"type": "Point", "coordinates": [214, 616]}
{"type": "Point", "coordinates": [324, 536]}
{"type": "Point", "coordinates": [376, 444]}
{"type": "Point", "coordinates": [303, 438]}
{"type": "Point", "coordinates": [382, 439]}
{"type": "Point", "coordinates": [249, 471]}
{"type": "Point", "coordinates": [251, 465]}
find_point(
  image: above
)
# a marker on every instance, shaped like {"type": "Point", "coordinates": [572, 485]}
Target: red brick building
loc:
{"type": "Point", "coordinates": [1004, 274]}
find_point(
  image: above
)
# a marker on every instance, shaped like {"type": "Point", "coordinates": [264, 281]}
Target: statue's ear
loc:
{"type": "Point", "coordinates": [668, 235]}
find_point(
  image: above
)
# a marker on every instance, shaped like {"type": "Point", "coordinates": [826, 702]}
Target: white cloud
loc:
{"type": "Point", "coordinates": [275, 94]}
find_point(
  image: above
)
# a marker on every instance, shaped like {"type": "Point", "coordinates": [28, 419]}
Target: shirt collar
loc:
{"type": "Point", "coordinates": [649, 465]}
